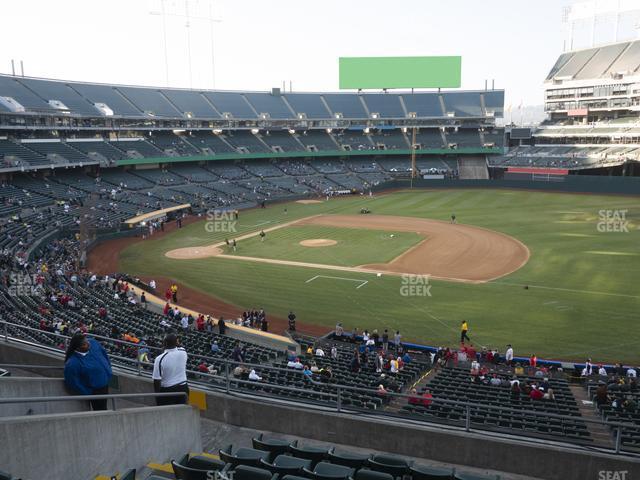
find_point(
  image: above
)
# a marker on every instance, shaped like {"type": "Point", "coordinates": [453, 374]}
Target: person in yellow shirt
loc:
{"type": "Point", "coordinates": [174, 293]}
{"type": "Point", "coordinates": [464, 328]}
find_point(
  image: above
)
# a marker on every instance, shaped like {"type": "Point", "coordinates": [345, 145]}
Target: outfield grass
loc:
{"type": "Point", "coordinates": [583, 297]}
{"type": "Point", "coordinates": [354, 247]}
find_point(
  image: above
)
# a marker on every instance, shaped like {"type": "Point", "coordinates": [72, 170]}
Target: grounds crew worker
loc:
{"type": "Point", "coordinates": [464, 328]}
{"type": "Point", "coordinates": [170, 372]}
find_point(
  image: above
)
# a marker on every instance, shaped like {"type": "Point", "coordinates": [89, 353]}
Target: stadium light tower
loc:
{"type": "Point", "coordinates": [188, 18]}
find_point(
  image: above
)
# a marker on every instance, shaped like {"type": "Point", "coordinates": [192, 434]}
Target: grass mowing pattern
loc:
{"type": "Point", "coordinates": [579, 304]}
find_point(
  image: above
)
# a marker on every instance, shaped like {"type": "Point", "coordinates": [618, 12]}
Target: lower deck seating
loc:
{"type": "Point", "coordinates": [273, 458]}
{"type": "Point", "coordinates": [456, 383]}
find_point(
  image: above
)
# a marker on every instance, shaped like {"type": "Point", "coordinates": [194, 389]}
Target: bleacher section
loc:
{"type": "Point", "coordinates": [464, 138]}
{"type": "Point", "coordinates": [16, 154]}
{"type": "Point", "coordinates": [427, 138]}
{"type": "Point", "coordinates": [309, 105]}
{"type": "Point", "coordinates": [102, 148]}
{"type": "Point", "coordinates": [77, 98]}
{"type": "Point", "coordinates": [271, 105]}
{"type": "Point", "coordinates": [599, 62]}
{"type": "Point", "coordinates": [138, 147]}
{"type": "Point", "coordinates": [172, 144]}
{"type": "Point", "coordinates": [283, 139]}
{"type": "Point", "coordinates": [347, 105]}
{"type": "Point", "coordinates": [592, 119]}
{"type": "Point", "coordinates": [246, 140]}
{"type": "Point", "coordinates": [57, 152]}
{"type": "Point", "coordinates": [319, 139]}
{"type": "Point", "coordinates": [391, 139]}
{"type": "Point", "coordinates": [209, 141]}
{"type": "Point", "coordinates": [455, 383]}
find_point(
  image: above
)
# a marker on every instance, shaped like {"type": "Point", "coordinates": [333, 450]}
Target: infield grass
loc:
{"type": "Point", "coordinates": [583, 298]}
{"type": "Point", "coordinates": [354, 246]}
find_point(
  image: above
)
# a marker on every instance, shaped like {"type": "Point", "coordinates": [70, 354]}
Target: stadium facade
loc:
{"type": "Point", "coordinates": [592, 98]}
{"type": "Point", "coordinates": [45, 124]}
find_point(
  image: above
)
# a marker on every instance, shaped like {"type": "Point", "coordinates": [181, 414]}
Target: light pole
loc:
{"type": "Point", "coordinates": [188, 18]}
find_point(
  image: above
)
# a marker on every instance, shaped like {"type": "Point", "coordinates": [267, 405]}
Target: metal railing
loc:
{"type": "Point", "coordinates": [335, 400]}
{"type": "Point", "coordinates": [112, 397]}
{"type": "Point", "coordinates": [66, 338]}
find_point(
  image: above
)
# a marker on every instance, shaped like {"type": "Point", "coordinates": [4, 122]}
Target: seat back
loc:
{"type": "Point", "coordinates": [324, 470]}
{"type": "Point", "coordinates": [226, 456]}
{"type": "Point", "coordinates": [244, 472]}
{"type": "Point", "coordinates": [353, 461]}
{"type": "Point", "coordinates": [473, 476]}
{"type": "Point", "coordinates": [183, 472]}
{"type": "Point", "coordinates": [310, 454]}
{"type": "Point", "coordinates": [397, 469]}
{"type": "Point", "coordinates": [273, 448]}
{"type": "Point", "coordinates": [285, 464]}
{"type": "Point", "coordinates": [364, 474]}
{"type": "Point", "coordinates": [420, 472]}
{"type": "Point", "coordinates": [130, 475]}
{"type": "Point", "coordinates": [204, 463]}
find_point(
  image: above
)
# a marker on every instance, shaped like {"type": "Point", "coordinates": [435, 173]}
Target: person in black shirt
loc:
{"type": "Point", "coordinates": [292, 321]}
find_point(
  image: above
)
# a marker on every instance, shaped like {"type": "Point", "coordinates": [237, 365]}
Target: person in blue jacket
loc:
{"type": "Point", "coordinates": [87, 369]}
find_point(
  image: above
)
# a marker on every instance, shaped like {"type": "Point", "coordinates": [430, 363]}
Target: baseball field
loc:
{"type": "Point", "coordinates": [553, 274]}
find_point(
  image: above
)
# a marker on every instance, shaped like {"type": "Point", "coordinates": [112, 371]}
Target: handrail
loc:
{"type": "Point", "coordinates": [468, 406]}
{"type": "Point", "coordinates": [69, 398]}
{"type": "Point", "coordinates": [39, 367]}
{"type": "Point", "coordinates": [138, 346]}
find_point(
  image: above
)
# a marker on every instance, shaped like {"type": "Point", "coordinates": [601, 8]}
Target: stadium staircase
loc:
{"type": "Point", "coordinates": [600, 434]}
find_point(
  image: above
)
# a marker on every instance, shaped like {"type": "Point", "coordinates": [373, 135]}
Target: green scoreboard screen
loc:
{"type": "Point", "coordinates": [400, 72]}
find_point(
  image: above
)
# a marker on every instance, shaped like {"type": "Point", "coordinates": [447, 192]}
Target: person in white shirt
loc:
{"type": "Point", "coordinates": [475, 367]}
{"type": "Point", "coordinates": [295, 364]}
{"type": "Point", "coordinates": [170, 372]}
{"type": "Point", "coordinates": [508, 356]}
{"type": "Point", "coordinates": [152, 284]}
{"type": "Point", "coordinates": [588, 367]}
{"type": "Point", "coordinates": [254, 376]}
{"type": "Point", "coordinates": [394, 366]}
{"type": "Point", "coordinates": [184, 322]}
{"type": "Point", "coordinates": [334, 352]}
{"type": "Point", "coordinates": [319, 352]}
{"type": "Point", "coordinates": [602, 371]}
{"type": "Point", "coordinates": [632, 373]}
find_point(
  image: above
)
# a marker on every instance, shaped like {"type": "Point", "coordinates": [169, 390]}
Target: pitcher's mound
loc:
{"type": "Point", "coordinates": [305, 202]}
{"type": "Point", "coordinates": [318, 242]}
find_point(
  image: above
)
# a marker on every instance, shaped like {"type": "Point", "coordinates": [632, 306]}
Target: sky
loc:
{"type": "Point", "coordinates": [258, 44]}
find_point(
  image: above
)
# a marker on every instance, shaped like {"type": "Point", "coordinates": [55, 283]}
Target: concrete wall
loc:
{"type": "Point", "coordinates": [86, 444]}
{"type": "Point", "coordinates": [572, 184]}
{"type": "Point", "coordinates": [36, 387]}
